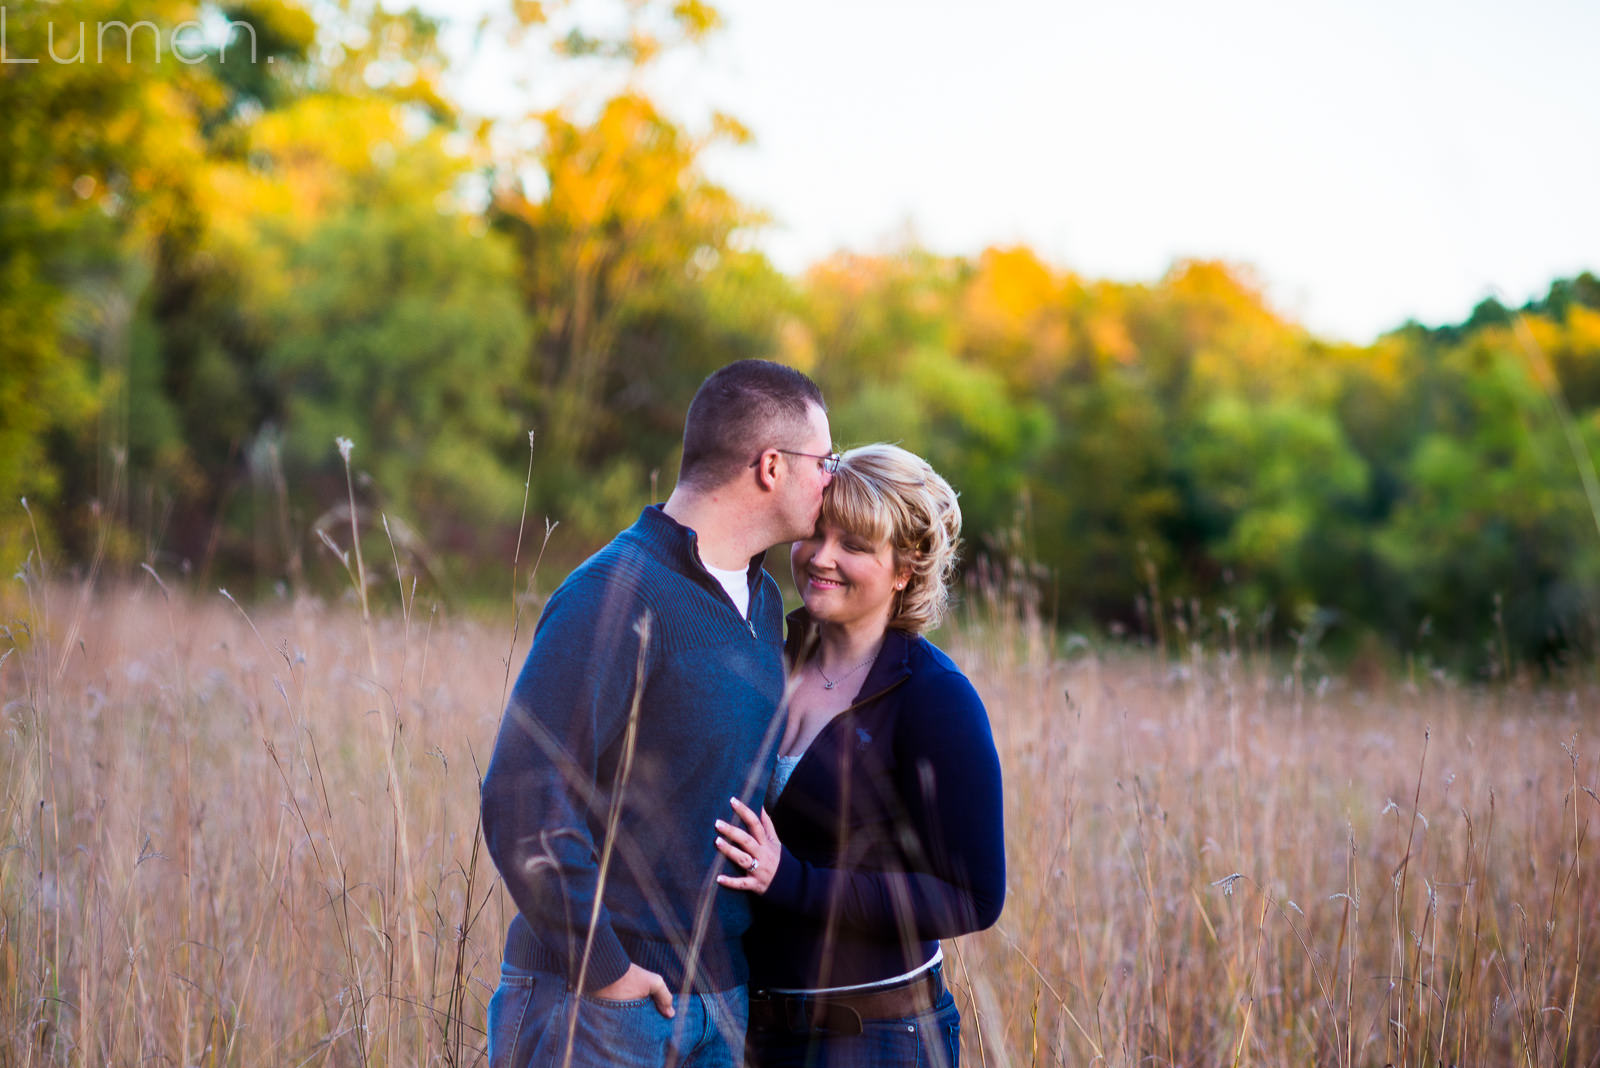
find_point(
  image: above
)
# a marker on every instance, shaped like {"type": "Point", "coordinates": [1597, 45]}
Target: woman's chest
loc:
{"type": "Point", "coordinates": [811, 710]}
{"type": "Point", "coordinates": [847, 784]}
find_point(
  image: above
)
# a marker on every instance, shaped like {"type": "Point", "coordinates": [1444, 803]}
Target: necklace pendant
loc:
{"type": "Point", "coordinates": [827, 686]}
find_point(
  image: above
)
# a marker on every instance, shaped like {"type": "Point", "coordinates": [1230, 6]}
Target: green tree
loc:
{"type": "Point", "coordinates": [1492, 531]}
{"type": "Point", "coordinates": [400, 329]}
{"type": "Point", "coordinates": [1273, 478]}
{"type": "Point", "coordinates": [96, 153]}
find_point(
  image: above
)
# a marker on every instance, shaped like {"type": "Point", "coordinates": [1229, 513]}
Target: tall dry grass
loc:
{"type": "Point", "coordinates": [1212, 864]}
{"type": "Point", "coordinates": [237, 839]}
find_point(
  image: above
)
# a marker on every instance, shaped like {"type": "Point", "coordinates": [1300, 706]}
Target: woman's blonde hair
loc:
{"type": "Point", "coordinates": [885, 494]}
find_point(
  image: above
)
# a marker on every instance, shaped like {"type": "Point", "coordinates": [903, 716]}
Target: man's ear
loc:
{"type": "Point", "coordinates": [767, 468]}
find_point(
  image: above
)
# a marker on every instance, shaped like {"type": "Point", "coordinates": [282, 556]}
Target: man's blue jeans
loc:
{"type": "Point", "coordinates": [532, 1014]}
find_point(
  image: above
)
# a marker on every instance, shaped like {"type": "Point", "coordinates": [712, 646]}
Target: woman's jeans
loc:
{"type": "Point", "coordinates": [532, 1014]}
{"type": "Point", "coordinates": [930, 1039]}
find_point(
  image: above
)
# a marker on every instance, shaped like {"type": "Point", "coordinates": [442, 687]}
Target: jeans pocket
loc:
{"type": "Point", "coordinates": [610, 1003]}
{"type": "Point", "coordinates": [897, 1042]}
{"type": "Point", "coordinates": [616, 1034]}
{"type": "Point", "coordinates": [948, 1027]}
{"type": "Point", "coordinates": [508, 1047]}
{"type": "Point", "coordinates": [952, 1045]}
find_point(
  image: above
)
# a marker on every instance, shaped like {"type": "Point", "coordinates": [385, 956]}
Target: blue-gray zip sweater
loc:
{"type": "Point", "coordinates": [707, 684]}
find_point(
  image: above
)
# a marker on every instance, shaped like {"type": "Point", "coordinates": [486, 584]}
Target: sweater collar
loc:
{"type": "Point", "coordinates": [891, 667]}
{"type": "Point", "coordinates": [680, 543]}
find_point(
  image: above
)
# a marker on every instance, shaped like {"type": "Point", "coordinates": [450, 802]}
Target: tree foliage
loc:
{"type": "Point", "coordinates": [210, 271]}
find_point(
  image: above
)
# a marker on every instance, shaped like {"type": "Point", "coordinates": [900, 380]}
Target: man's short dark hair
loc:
{"type": "Point", "coordinates": [738, 411]}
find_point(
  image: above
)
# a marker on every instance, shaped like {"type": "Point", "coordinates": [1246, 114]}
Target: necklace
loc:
{"type": "Point", "coordinates": [828, 684]}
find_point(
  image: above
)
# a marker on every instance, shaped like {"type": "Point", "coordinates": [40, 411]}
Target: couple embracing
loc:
{"type": "Point", "coordinates": [730, 840]}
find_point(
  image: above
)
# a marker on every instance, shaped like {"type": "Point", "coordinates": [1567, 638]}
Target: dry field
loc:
{"type": "Point", "coordinates": [237, 839]}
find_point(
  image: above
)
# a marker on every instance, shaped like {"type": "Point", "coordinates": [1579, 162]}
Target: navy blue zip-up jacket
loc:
{"type": "Point", "coordinates": [708, 687]}
{"type": "Point", "coordinates": [891, 825]}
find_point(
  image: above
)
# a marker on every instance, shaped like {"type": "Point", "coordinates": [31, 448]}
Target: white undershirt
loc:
{"type": "Point", "coordinates": [737, 583]}
{"type": "Point", "coordinates": [938, 957]}
{"type": "Point", "coordinates": [780, 775]}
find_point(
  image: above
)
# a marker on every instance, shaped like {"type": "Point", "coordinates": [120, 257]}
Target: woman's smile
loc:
{"type": "Point", "coordinates": [843, 577]}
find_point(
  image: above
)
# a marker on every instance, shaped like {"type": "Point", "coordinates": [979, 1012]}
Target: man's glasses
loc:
{"type": "Point", "coordinates": [828, 463]}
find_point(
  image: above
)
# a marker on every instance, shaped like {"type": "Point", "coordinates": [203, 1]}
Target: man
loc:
{"type": "Point", "coordinates": [644, 705]}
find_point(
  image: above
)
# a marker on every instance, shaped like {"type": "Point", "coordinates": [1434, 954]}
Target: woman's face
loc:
{"type": "Point", "coordinates": [843, 578]}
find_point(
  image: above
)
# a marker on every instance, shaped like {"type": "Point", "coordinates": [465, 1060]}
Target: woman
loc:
{"type": "Point", "coordinates": [885, 831]}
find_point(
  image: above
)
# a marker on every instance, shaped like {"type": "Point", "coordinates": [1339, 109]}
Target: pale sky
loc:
{"type": "Point", "coordinates": [1370, 161]}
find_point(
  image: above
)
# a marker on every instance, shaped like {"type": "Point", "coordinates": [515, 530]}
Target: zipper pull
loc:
{"type": "Point", "coordinates": [752, 625]}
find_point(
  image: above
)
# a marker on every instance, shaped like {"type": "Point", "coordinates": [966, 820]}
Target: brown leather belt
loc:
{"type": "Point", "coordinates": [842, 1014]}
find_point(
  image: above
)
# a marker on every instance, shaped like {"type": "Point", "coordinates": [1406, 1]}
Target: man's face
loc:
{"type": "Point", "coordinates": [801, 499]}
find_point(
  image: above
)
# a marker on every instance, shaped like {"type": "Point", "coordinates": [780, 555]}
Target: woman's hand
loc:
{"type": "Point", "coordinates": [754, 851]}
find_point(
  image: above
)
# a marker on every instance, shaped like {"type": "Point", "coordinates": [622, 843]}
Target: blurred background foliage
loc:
{"type": "Point", "coordinates": [210, 270]}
